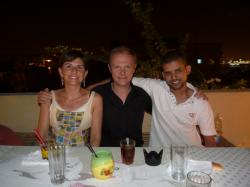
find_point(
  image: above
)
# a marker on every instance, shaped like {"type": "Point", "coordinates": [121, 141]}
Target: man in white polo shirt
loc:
{"type": "Point", "coordinates": [176, 112]}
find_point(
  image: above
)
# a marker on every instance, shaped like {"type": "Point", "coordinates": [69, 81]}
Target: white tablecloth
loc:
{"type": "Point", "coordinates": [13, 171]}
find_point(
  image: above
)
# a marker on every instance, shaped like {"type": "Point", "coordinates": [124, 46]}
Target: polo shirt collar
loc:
{"type": "Point", "coordinates": [190, 100]}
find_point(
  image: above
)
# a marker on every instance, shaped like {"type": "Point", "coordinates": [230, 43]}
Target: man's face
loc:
{"type": "Point", "coordinates": [122, 67]}
{"type": "Point", "coordinates": [176, 73]}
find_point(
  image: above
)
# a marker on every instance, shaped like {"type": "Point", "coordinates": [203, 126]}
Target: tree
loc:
{"type": "Point", "coordinates": [154, 42]}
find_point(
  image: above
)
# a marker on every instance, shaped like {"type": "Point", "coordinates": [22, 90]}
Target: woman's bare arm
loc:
{"type": "Point", "coordinates": [96, 126]}
{"type": "Point", "coordinates": [43, 122]}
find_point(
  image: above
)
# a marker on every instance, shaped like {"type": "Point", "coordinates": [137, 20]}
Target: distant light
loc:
{"type": "Point", "coordinates": [199, 61]}
{"type": "Point", "coordinates": [238, 62]}
{"type": "Point", "coordinates": [48, 60]}
{"type": "Point", "coordinates": [49, 68]}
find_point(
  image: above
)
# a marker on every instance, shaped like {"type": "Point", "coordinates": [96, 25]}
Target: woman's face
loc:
{"type": "Point", "coordinates": [73, 72]}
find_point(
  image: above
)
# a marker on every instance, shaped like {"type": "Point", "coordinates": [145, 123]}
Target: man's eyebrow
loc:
{"type": "Point", "coordinates": [166, 71]}
{"type": "Point", "coordinates": [66, 63]}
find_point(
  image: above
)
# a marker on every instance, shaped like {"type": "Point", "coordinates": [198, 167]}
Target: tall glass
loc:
{"type": "Point", "coordinates": [56, 155]}
{"type": "Point", "coordinates": [178, 161]}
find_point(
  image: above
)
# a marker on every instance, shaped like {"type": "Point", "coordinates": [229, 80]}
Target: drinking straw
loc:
{"type": "Point", "coordinates": [91, 149]}
{"type": "Point", "coordinates": [127, 141]}
{"type": "Point", "coordinates": [39, 137]}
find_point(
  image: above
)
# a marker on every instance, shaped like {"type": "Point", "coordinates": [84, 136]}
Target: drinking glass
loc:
{"type": "Point", "coordinates": [127, 150]}
{"type": "Point", "coordinates": [198, 179]}
{"type": "Point", "coordinates": [102, 164]}
{"type": "Point", "coordinates": [56, 155]}
{"type": "Point", "coordinates": [178, 161]}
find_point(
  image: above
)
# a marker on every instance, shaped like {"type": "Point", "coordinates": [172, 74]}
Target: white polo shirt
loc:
{"type": "Point", "coordinates": [172, 122]}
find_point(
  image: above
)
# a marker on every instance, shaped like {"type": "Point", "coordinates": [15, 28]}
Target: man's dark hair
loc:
{"type": "Point", "coordinates": [172, 56]}
{"type": "Point", "coordinates": [122, 49]}
{"type": "Point", "coordinates": [71, 55]}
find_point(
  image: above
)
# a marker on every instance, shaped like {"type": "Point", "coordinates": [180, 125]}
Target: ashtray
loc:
{"type": "Point", "coordinates": [153, 158]}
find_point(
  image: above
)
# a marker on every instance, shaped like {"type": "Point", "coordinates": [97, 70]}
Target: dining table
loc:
{"type": "Point", "coordinates": [23, 166]}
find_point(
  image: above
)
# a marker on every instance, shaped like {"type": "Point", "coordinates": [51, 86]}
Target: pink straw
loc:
{"type": "Point", "coordinates": [39, 137]}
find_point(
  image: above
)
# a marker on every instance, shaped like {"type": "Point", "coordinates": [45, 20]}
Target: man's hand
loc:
{"type": "Point", "coordinates": [209, 141]}
{"type": "Point", "coordinates": [90, 87]}
{"type": "Point", "coordinates": [200, 94]}
{"type": "Point", "coordinates": [44, 97]}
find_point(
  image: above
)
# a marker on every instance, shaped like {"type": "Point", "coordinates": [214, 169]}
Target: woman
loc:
{"type": "Point", "coordinates": [73, 110]}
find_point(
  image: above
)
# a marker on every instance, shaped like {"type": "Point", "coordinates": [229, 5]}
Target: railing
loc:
{"type": "Point", "coordinates": [20, 113]}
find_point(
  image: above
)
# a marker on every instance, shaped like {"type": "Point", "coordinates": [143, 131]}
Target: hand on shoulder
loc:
{"type": "Point", "coordinates": [44, 97]}
{"type": "Point", "coordinates": [200, 94]}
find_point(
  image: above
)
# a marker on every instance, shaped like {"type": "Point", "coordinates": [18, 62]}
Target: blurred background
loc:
{"type": "Point", "coordinates": [214, 35]}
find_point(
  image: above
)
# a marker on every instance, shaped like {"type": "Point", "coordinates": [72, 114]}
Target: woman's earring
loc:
{"type": "Point", "coordinates": [83, 84]}
{"type": "Point", "coordinates": [62, 81]}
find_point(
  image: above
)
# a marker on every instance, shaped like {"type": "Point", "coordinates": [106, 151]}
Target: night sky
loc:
{"type": "Point", "coordinates": [28, 27]}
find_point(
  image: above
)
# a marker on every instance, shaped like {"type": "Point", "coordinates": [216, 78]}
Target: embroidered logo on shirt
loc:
{"type": "Point", "coordinates": [192, 115]}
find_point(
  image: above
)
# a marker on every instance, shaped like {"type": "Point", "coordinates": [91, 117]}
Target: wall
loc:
{"type": "Point", "coordinates": [20, 113]}
{"type": "Point", "coordinates": [234, 107]}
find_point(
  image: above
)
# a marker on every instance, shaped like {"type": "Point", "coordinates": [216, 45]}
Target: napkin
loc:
{"type": "Point", "coordinates": [149, 172]}
{"type": "Point", "coordinates": [29, 169]}
{"type": "Point", "coordinates": [145, 175]}
{"type": "Point", "coordinates": [33, 159]}
{"type": "Point", "coordinates": [139, 172]}
{"type": "Point", "coordinates": [30, 161]}
{"type": "Point", "coordinates": [196, 165]}
{"type": "Point", "coordinates": [73, 168]}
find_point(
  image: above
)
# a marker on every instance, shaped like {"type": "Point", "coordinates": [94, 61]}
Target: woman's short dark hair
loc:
{"type": "Point", "coordinates": [72, 55]}
{"type": "Point", "coordinates": [122, 49]}
{"type": "Point", "coordinates": [172, 56]}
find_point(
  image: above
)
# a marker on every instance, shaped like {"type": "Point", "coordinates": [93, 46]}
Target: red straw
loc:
{"type": "Point", "coordinates": [39, 137]}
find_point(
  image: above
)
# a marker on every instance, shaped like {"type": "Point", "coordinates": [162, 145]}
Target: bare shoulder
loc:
{"type": "Point", "coordinates": [58, 92]}
{"type": "Point", "coordinates": [97, 101]}
{"type": "Point", "coordinates": [97, 97]}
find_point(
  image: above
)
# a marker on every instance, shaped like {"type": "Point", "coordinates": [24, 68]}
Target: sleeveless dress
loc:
{"type": "Point", "coordinates": [71, 127]}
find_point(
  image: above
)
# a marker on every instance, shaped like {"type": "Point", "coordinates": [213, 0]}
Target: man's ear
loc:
{"type": "Point", "coordinates": [109, 68]}
{"type": "Point", "coordinates": [188, 69]}
{"type": "Point", "coordinates": [162, 74]}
